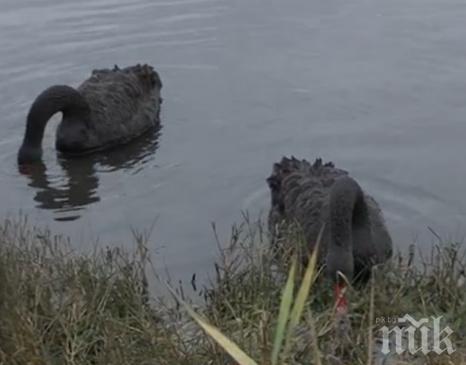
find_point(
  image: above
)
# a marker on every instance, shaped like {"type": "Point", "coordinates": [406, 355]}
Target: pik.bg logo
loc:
{"type": "Point", "coordinates": [409, 335]}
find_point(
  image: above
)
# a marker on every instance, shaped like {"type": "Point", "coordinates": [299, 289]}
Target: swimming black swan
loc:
{"type": "Point", "coordinates": [110, 108]}
{"type": "Point", "coordinates": [314, 195]}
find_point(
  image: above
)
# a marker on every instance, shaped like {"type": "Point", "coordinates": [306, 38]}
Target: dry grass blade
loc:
{"type": "Point", "coordinates": [229, 346]}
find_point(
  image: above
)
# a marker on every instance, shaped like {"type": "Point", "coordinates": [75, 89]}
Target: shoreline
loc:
{"type": "Point", "coordinates": [57, 306]}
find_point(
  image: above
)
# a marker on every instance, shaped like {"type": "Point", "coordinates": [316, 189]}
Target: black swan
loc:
{"type": "Point", "coordinates": [110, 108]}
{"type": "Point", "coordinates": [319, 195]}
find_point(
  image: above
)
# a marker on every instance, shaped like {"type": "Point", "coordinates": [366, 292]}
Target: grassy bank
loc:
{"type": "Point", "coordinates": [58, 307]}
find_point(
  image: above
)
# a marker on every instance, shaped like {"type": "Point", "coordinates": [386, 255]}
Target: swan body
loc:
{"type": "Point", "coordinates": [354, 237]}
{"type": "Point", "coordinates": [111, 107]}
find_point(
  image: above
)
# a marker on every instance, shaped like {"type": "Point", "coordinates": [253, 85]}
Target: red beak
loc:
{"type": "Point", "coordinates": [341, 303]}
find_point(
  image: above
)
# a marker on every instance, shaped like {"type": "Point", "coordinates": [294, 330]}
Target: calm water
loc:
{"type": "Point", "coordinates": [377, 86]}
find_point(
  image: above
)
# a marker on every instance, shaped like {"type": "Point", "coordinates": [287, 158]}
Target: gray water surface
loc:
{"type": "Point", "coordinates": [377, 86]}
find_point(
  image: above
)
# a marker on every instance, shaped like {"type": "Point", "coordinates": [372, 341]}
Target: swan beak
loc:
{"type": "Point", "coordinates": [341, 302]}
{"type": "Point", "coordinates": [27, 169]}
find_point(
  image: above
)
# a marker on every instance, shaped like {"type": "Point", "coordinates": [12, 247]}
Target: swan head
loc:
{"type": "Point", "coordinates": [29, 154]}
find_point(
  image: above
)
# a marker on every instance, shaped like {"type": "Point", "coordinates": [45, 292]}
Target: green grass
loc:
{"type": "Point", "coordinates": [61, 307]}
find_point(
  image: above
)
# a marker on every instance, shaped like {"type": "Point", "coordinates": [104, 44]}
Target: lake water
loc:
{"type": "Point", "coordinates": [377, 86]}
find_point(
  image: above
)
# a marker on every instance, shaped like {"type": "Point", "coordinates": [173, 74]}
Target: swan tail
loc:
{"type": "Point", "coordinates": [281, 190]}
{"type": "Point", "coordinates": [291, 165]}
{"type": "Point", "coordinates": [145, 73]}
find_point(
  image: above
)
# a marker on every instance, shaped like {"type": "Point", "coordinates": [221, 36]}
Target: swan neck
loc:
{"type": "Point", "coordinates": [348, 212]}
{"type": "Point", "coordinates": [59, 98]}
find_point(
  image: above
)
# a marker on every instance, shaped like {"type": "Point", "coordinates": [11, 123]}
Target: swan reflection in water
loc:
{"type": "Point", "coordinates": [68, 194]}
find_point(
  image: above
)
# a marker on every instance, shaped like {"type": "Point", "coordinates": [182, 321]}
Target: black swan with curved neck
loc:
{"type": "Point", "coordinates": [318, 195]}
{"type": "Point", "coordinates": [110, 108]}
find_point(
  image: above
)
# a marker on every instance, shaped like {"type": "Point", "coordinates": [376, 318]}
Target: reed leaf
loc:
{"type": "Point", "coordinates": [228, 345]}
{"type": "Point", "coordinates": [284, 312]}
